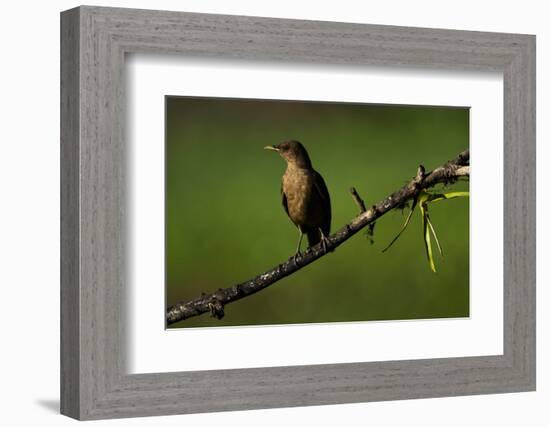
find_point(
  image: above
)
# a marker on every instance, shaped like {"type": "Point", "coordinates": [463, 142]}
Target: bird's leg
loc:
{"type": "Point", "coordinates": [324, 240]}
{"type": "Point", "coordinates": [298, 254]}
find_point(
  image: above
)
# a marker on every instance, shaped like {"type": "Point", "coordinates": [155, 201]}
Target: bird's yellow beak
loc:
{"type": "Point", "coordinates": [271, 147]}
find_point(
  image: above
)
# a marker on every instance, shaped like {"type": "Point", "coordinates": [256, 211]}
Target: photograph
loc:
{"type": "Point", "coordinates": [256, 187]}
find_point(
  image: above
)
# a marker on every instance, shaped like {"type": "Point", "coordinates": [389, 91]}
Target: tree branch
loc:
{"type": "Point", "coordinates": [215, 302]}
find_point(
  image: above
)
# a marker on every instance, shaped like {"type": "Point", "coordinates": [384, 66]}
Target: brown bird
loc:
{"type": "Point", "coordinates": [304, 194]}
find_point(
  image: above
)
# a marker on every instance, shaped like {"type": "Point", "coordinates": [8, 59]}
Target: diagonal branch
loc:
{"type": "Point", "coordinates": [215, 302]}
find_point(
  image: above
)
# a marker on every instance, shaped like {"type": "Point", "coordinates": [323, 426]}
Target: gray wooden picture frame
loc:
{"type": "Point", "coordinates": [94, 381]}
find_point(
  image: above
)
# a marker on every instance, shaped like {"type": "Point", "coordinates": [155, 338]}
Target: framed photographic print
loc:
{"type": "Point", "coordinates": [262, 213]}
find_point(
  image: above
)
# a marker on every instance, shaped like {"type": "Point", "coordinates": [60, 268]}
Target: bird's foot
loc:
{"type": "Point", "coordinates": [297, 256]}
{"type": "Point", "coordinates": [324, 242]}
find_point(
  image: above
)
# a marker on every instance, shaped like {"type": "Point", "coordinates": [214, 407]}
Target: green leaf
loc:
{"type": "Point", "coordinates": [403, 227]}
{"type": "Point", "coordinates": [434, 233]}
{"type": "Point", "coordinates": [427, 240]}
{"type": "Point", "coordinates": [428, 229]}
{"type": "Point", "coordinates": [447, 196]}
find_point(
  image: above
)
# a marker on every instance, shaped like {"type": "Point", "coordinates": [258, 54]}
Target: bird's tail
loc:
{"type": "Point", "coordinates": [313, 237]}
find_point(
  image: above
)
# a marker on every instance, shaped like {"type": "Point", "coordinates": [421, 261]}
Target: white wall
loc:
{"type": "Point", "coordinates": [29, 212]}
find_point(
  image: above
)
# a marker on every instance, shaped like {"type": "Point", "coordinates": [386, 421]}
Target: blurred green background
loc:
{"type": "Point", "coordinates": [225, 222]}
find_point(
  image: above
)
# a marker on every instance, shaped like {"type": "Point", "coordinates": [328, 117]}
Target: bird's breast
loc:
{"type": "Point", "coordinates": [298, 186]}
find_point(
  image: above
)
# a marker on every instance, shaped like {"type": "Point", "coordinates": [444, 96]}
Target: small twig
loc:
{"type": "Point", "coordinates": [420, 174]}
{"type": "Point", "coordinates": [362, 208]}
{"type": "Point", "coordinates": [358, 200]}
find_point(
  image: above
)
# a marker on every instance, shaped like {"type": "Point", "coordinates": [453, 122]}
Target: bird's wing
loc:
{"type": "Point", "coordinates": [283, 199]}
{"type": "Point", "coordinates": [324, 195]}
